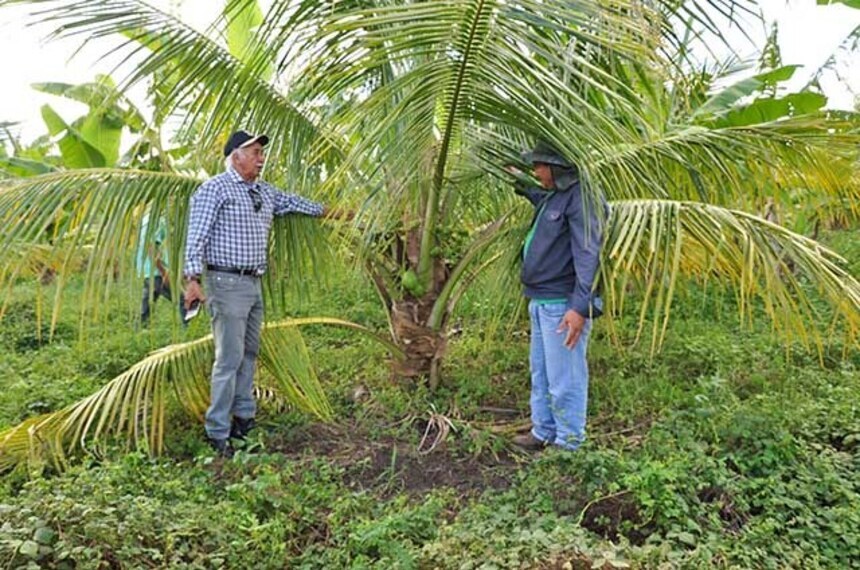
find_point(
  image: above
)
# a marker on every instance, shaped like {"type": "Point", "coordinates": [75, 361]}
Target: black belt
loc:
{"type": "Point", "coordinates": [234, 270]}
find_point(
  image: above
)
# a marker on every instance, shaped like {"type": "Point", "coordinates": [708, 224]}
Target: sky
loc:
{"type": "Point", "coordinates": [809, 34]}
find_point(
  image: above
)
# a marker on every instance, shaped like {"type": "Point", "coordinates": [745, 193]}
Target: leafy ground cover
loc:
{"type": "Point", "coordinates": [725, 450]}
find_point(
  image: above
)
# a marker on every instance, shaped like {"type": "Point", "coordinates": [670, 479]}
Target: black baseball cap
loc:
{"type": "Point", "coordinates": [241, 139]}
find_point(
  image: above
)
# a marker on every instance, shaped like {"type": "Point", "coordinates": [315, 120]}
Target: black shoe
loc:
{"type": "Point", "coordinates": [241, 427]}
{"type": "Point", "coordinates": [221, 446]}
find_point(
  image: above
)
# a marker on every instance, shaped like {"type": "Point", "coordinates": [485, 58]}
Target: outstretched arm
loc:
{"type": "Point", "coordinates": [523, 187]}
{"type": "Point", "coordinates": [294, 204]}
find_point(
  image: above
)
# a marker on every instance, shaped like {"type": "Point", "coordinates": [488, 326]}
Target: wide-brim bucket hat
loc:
{"type": "Point", "coordinates": [545, 153]}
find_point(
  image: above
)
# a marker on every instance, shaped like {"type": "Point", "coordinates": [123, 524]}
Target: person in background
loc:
{"type": "Point", "coordinates": [151, 263]}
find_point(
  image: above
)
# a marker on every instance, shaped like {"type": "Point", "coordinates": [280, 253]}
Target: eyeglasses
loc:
{"type": "Point", "coordinates": [256, 199]}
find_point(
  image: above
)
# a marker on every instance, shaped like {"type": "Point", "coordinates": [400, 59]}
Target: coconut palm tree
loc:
{"type": "Point", "coordinates": [407, 111]}
{"type": "Point", "coordinates": [444, 94]}
{"type": "Point", "coordinates": [411, 108]}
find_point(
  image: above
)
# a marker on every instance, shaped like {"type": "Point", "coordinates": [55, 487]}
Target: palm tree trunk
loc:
{"type": "Point", "coordinates": [422, 340]}
{"type": "Point", "coordinates": [424, 347]}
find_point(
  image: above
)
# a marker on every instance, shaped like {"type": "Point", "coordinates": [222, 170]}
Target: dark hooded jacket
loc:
{"type": "Point", "coordinates": [562, 258]}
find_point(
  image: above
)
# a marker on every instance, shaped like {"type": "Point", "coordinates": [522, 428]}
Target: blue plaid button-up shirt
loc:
{"type": "Point", "coordinates": [223, 227]}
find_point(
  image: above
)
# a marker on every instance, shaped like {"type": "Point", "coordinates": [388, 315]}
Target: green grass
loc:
{"type": "Point", "coordinates": [724, 450]}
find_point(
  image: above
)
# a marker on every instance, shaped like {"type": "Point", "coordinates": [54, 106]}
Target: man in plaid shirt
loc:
{"type": "Point", "coordinates": [228, 234]}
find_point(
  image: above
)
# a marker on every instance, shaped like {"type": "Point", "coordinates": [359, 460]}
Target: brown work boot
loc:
{"type": "Point", "coordinates": [529, 442]}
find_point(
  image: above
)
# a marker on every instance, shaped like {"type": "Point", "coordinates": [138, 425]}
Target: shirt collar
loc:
{"type": "Point", "coordinates": [236, 177]}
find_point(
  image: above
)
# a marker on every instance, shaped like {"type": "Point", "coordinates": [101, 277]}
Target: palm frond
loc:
{"type": "Point", "coordinates": [101, 211]}
{"type": "Point", "coordinates": [211, 86]}
{"type": "Point", "coordinates": [39, 262]}
{"type": "Point", "coordinates": [731, 166]}
{"type": "Point", "coordinates": [450, 62]}
{"type": "Point", "coordinates": [133, 406]}
{"type": "Point", "coordinates": [653, 243]}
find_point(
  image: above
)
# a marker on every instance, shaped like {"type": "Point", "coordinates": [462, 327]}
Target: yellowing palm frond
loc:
{"type": "Point", "coordinates": [132, 406]}
{"type": "Point", "coordinates": [653, 243]}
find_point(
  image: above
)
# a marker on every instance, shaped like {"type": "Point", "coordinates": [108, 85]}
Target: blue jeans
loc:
{"type": "Point", "coordinates": [236, 305]}
{"type": "Point", "coordinates": [559, 396]}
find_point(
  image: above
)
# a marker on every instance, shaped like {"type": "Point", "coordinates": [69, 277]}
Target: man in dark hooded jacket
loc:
{"type": "Point", "coordinates": [560, 263]}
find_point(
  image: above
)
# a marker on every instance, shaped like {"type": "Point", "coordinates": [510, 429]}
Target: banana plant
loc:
{"type": "Point", "coordinates": [25, 159]}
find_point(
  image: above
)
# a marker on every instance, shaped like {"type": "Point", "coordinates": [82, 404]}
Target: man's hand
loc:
{"type": "Point", "coordinates": [193, 292]}
{"type": "Point", "coordinates": [573, 323]}
{"type": "Point", "coordinates": [165, 278]}
{"type": "Point", "coordinates": [337, 214]}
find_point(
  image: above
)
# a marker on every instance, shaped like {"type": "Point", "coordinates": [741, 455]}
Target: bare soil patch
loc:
{"type": "Point", "coordinates": [606, 517]}
{"type": "Point", "coordinates": [387, 466]}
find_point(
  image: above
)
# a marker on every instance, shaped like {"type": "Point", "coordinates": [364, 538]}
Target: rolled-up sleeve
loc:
{"type": "Point", "coordinates": [205, 203]}
{"type": "Point", "coordinates": [294, 204]}
{"type": "Point", "coordinates": [586, 241]}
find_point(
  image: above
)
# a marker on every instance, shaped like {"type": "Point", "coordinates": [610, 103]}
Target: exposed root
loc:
{"type": "Point", "coordinates": [438, 427]}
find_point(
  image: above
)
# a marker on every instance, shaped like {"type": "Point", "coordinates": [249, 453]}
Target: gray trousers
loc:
{"type": "Point", "coordinates": [236, 305]}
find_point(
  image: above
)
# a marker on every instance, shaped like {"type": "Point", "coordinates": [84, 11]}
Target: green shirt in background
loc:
{"type": "Point", "coordinates": [146, 252]}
